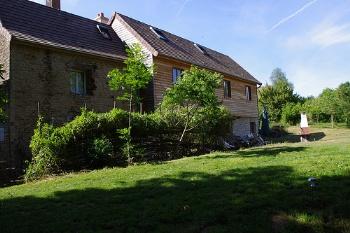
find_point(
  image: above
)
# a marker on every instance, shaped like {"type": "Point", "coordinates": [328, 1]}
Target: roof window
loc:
{"type": "Point", "coordinates": [159, 33]}
{"type": "Point", "coordinates": [104, 31]}
{"type": "Point", "coordinates": [200, 48]}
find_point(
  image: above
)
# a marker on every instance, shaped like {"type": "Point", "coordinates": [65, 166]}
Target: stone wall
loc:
{"type": "Point", "coordinates": [241, 126]}
{"type": "Point", "coordinates": [4, 60]}
{"type": "Point", "coordinates": [40, 85]}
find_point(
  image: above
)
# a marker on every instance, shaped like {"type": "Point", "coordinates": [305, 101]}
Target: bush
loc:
{"type": "Point", "coordinates": [291, 113]}
{"type": "Point", "coordinates": [100, 151]}
{"type": "Point", "coordinates": [96, 140]}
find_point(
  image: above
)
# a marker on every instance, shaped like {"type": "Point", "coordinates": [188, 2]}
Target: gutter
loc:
{"type": "Point", "coordinates": [69, 48]}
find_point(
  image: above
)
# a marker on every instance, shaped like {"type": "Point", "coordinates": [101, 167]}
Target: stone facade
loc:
{"type": "Point", "coordinates": [39, 84]}
{"type": "Point", "coordinates": [4, 60]}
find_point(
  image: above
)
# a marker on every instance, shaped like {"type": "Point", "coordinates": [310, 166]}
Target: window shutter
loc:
{"type": "Point", "coordinates": [90, 83]}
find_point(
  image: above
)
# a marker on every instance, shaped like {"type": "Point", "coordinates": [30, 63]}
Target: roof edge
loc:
{"type": "Point", "coordinates": [116, 16]}
{"type": "Point", "coordinates": [71, 49]}
{"type": "Point", "coordinates": [203, 67]}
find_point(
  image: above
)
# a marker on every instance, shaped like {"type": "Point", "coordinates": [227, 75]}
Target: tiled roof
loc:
{"type": "Point", "coordinates": [184, 50]}
{"type": "Point", "coordinates": [36, 23]}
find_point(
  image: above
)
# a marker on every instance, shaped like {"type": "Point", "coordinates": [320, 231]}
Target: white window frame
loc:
{"type": "Point", "coordinates": [176, 73]}
{"type": "Point", "coordinates": [76, 89]}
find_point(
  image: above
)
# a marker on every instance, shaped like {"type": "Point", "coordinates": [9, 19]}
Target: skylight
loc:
{"type": "Point", "coordinates": [200, 48]}
{"type": "Point", "coordinates": [159, 33]}
{"type": "Point", "coordinates": [104, 31]}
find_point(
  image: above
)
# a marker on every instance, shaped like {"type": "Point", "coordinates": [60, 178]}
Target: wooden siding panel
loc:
{"type": "Point", "coordinates": [237, 104]}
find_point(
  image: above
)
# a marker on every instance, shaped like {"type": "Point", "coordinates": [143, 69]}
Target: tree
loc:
{"type": "Point", "coordinates": [343, 94]}
{"type": "Point", "coordinates": [133, 77]}
{"type": "Point", "coordinates": [276, 95]}
{"type": "Point", "coordinates": [291, 113]}
{"type": "Point", "coordinates": [329, 103]}
{"type": "Point", "coordinates": [192, 97]}
{"type": "Point", "coordinates": [313, 107]}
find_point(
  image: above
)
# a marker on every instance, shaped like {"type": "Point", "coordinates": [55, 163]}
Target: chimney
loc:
{"type": "Point", "coordinates": [56, 4]}
{"type": "Point", "coordinates": [101, 18]}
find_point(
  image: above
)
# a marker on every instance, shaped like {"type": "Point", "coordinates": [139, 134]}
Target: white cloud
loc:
{"type": "Point", "coordinates": [324, 35]}
{"type": "Point", "coordinates": [328, 35]}
{"type": "Point", "coordinates": [289, 17]}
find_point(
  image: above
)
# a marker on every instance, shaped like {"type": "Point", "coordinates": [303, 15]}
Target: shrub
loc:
{"type": "Point", "coordinates": [100, 151]}
{"type": "Point", "coordinates": [95, 140]}
{"type": "Point", "coordinates": [291, 113]}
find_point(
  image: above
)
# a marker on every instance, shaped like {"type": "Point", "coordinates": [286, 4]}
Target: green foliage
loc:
{"type": "Point", "coordinates": [192, 98]}
{"type": "Point", "coordinates": [100, 151]}
{"type": "Point", "coordinates": [343, 94]}
{"type": "Point", "coordinates": [278, 94]}
{"type": "Point", "coordinates": [44, 161]}
{"type": "Point", "coordinates": [130, 80]}
{"type": "Point", "coordinates": [96, 140]}
{"type": "Point", "coordinates": [291, 113]}
{"type": "Point", "coordinates": [72, 146]}
{"type": "Point", "coordinates": [254, 190]}
{"type": "Point", "coordinates": [134, 76]}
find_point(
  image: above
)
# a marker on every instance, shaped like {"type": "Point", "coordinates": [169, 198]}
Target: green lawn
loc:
{"type": "Point", "coordinates": [255, 190]}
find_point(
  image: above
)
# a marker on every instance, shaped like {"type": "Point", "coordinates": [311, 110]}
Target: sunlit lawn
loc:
{"type": "Point", "coordinates": [255, 190]}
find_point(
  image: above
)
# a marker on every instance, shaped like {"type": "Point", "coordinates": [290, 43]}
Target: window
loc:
{"type": "Point", "coordinates": [227, 89]}
{"type": "Point", "coordinates": [104, 31]}
{"type": "Point", "coordinates": [252, 127]}
{"type": "Point", "coordinates": [248, 93]}
{"type": "Point", "coordinates": [200, 48]}
{"type": "Point", "coordinates": [159, 33]}
{"type": "Point", "coordinates": [77, 83]}
{"type": "Point", "coordinates": [176, 74]}
{"type": "Point", "coordinates": [2, 134]}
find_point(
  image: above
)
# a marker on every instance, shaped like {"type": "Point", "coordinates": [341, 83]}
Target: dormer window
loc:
{"type": "Point", "coordinates": [159, 33]}
{"type": "Point", "coordinates": [104, 31]}
{"type": "Point", "coordinates": [200, 48]}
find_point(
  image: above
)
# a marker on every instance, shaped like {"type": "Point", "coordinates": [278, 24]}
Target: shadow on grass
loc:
{"type": "Point", "coordinates": [268, 199]}
{"type": "Point", "coordinates": [295, 138]}
{"type": "Point", "coordinates": [256, 152]}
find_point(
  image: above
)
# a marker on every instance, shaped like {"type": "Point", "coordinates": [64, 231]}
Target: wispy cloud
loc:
{"type": "Point", "coordinates": [325, 34]}
{"type": "Point", "coordinates": [182, 7]}
{"type": "Point", "coordinates": [284, 20]}
{"type": "Point", "coordinates": [329, 35]}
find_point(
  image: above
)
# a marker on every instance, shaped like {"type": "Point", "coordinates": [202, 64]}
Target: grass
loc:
{"type": "Point", "coordinates": [255, 190]}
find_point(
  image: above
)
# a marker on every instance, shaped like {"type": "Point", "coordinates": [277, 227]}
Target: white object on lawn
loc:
{"type": "Point", "coordinates": [303, 121]}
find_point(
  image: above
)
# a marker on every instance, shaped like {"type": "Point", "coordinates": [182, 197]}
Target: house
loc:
{"type": "Point", "coordinates": [172, 54]}
{"type": "Point", "coordinates": [57, 63]}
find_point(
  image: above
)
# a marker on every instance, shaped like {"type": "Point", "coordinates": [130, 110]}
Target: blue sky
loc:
{"type": "Point", "coordinates": [307, 39]}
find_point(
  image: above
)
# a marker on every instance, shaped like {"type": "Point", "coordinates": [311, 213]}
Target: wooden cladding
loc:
{"type": "Point", "coordinates": [237, 103]}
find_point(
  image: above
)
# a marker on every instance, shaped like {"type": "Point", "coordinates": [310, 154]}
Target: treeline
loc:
{"type": "Point", "coordinates": [284, 105]}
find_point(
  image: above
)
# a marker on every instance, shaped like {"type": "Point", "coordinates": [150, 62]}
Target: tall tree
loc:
{"type": "Point", "coordinates": [343, 94]}
{"type": "Point", "coordinates": [193, 94]}
{"type": "Point", "coordinates": [277, 95]}
{"type": "Point", "coordinates": [129, 80]}
{"type": "Point", "coordinates": [329, 103]}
